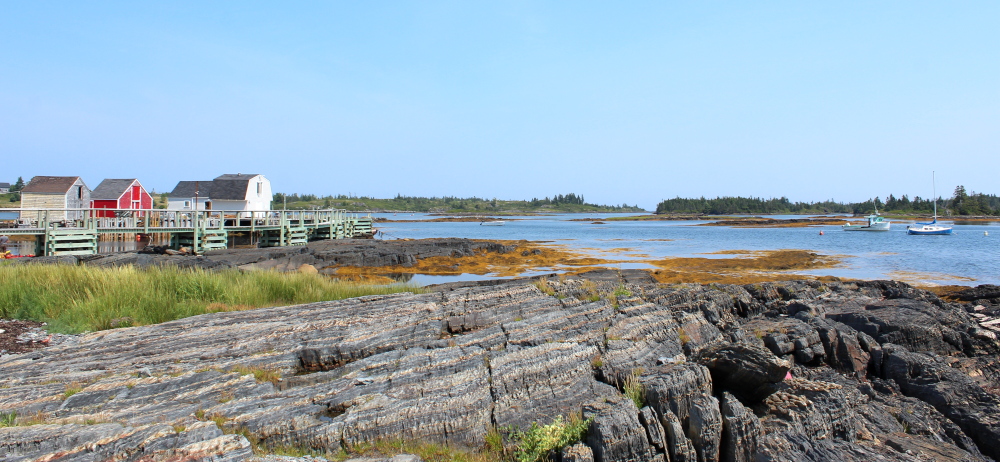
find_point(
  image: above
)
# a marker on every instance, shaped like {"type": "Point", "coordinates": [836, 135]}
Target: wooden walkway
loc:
{"type": "Point", "coordinates": [77, 231]}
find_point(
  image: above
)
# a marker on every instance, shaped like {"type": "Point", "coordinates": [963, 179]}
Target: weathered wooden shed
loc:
{"type": "Point", "coordinates": [56, 192]}
{"type": "Point", "coordinates": [120, 194]}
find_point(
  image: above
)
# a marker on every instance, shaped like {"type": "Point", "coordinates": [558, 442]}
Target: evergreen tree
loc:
{"type": "Point", "coordinates": [958, 202]}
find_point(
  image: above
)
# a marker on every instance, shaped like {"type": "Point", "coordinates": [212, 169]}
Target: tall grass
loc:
{"type": "Point", "coordinates": [79, 298]}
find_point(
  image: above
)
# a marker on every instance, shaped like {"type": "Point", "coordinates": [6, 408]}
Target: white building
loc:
{"type": "Point", "coordinates": [244, 192]}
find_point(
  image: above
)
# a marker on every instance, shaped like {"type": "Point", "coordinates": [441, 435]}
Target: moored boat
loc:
{"type": "Point", "coordinates": [928, 229]}
{"type": "Point", "coordinates": [932, 228]}
{"type": "Point", "coordinates": [875, 223]}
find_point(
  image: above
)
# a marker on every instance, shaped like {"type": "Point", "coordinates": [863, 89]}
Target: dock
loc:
{"type": "Point", "coordinates": [77, 231]}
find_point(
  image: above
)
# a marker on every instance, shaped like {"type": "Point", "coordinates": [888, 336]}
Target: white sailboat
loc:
{"type": "Point", "coordinates": [932, 228]}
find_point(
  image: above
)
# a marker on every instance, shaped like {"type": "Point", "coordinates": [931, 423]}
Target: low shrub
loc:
{"type": "Point", "coordinates": [536, 443]}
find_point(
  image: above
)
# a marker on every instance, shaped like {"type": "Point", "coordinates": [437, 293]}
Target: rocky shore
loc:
{"type": "Point", "coordinates": [774, 371]}
{"type": "Point", "coordinates": [318, 255]}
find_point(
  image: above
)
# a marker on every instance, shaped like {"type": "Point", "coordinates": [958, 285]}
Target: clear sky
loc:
{"type": "Point", "coordinates": [627, 102]}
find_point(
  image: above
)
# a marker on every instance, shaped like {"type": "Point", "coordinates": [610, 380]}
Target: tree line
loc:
{"type": "Point", "coordinates": [560, 202]}
{"type": "Point", "coordinates": [961, 203]}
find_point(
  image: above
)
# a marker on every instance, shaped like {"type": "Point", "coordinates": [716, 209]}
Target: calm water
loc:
{"type": "Point", "coordinates": [967, 257]}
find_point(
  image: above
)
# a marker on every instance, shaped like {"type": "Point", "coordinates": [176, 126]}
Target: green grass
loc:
{"type": "Point", "coordinates": [261, 374]}
{"type": "Point", "coordinates": [10, 200]}
{"type": "Point", "coordinates": [74, 299]}
{"type": "Point", "coordinates": [634, 389]}
{"type": "Point", "coordinates": [535, 444]}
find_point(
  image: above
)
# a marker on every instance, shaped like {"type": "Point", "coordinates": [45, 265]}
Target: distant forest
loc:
{"type": "Point", "coordinates": [961, 203]}
{"type": "Point", "coordinates": [559, 203]}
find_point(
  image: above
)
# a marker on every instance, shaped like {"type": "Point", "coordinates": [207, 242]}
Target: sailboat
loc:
{"type": "Point", "coordinates": [932, 228]}
{"type": "Point", "coordinates": [875, 223]}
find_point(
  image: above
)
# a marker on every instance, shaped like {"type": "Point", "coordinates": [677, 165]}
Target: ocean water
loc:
{"type": "Point", "coordinates": [967, 257]}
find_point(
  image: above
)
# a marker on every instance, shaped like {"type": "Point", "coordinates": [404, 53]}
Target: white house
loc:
{"type": "Point", "coordinates": [249, 192]}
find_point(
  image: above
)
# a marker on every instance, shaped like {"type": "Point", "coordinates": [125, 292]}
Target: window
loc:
{"type": "Point", "coordinates": [260, 187]}
{"type": "Point", "coordinates": [79, 192]}
{"type": "Point", "coordinates": [187, 204]}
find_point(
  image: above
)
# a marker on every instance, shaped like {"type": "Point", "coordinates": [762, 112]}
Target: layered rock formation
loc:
{"type": "Point", "coordinates": [793, 371]}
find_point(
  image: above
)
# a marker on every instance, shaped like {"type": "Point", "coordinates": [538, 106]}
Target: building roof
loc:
{"type": "Point", "coordinates": [231, 187]}
{"type": "Point", "coordinates": [111, 189]}
{"type": "Point", "coordinates": [50, 184]}
{"type": "Point", "coordinates": [228, 187]}
{"type": "Point", "coordinates": [237, 176]}
{"type": "Point", "coordinates": [186, 189]}
{"type": "Point", "coordinates": [4, 185]}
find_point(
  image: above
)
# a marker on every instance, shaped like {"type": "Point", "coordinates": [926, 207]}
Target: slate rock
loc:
{"type": "Point", "coordinates": [741, 431]}
{"type": "Point", "coordinates": [746, 370]}
{"type": "Point", "coordinates": [616, 433]}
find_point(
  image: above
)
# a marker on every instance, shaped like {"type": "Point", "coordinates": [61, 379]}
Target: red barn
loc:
{"type": "Point", "coordinates": [120, 194]}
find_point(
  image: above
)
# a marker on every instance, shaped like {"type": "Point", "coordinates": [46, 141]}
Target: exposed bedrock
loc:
{"type": "Point", "coordinates": [879, 371]}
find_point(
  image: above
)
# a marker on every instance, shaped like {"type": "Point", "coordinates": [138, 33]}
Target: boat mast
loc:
{"type": "Point", "coordinates": [934, 189]}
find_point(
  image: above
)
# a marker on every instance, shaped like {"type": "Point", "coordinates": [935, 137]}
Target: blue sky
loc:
{"type": "Point", "coordinates": [622, 103]}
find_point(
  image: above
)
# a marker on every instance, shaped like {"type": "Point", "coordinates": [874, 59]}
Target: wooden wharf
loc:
{"type": "Point", "coordinates": [77, 231]}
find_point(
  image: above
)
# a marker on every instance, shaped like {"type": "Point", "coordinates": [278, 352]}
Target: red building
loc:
{"type": "Point", "coordinates": [125, 194]}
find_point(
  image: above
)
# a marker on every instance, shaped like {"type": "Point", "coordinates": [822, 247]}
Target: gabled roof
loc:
{"type": "Point", "coordinates": [111, 189]}
{"type": "Point", "coordinates": [4, 185]}
{"type": "Point", "coordinates": [231, 187]}
{"type": "Point", "coordinates": [228, 187]}
{"type": "Point", "coordinates": [237, 176]}
{"type": "Point", "coordinates": [50, 184]}
{"type": "Point", "coordinates": [186, 189]}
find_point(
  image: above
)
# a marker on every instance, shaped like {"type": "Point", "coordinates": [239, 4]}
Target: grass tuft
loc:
{"type": "Point", "coordinates": [261, 374]}
{"type": "Point", "coordinates": [11, 419]}
{"type": "Point", "coordinates": [80, 298]}
{"type": "Point", "coordinates": [634, 389]}
{"type": "Point", "coordinates": [536, 443]}
{"type": "Point", "coordinates": [589, 291]}
{"type": "Point", "coordinates": [543, 285]}
{"type": "Point", "coordinates": [683, 336]}
{"type": "Point", "coordinates": [72, 389]}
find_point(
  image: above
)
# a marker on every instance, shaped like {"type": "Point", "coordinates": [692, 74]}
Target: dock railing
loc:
{"type": "Point", "coordinates": [279, 225]}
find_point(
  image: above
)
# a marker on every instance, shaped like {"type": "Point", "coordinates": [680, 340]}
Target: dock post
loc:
{"type": "Point", "coordinates": [194, 228]}
{"type": "Point", "coordinates": [284, 228]}
{"type": "Point", "coordinates": [48, 232]}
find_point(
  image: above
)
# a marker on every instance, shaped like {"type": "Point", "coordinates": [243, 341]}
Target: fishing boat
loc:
{"type": "Point", "coordinates": [875, 223]}
{"type": "Point", "coordinates": [492, 223]}
{"type": "Point", "coordinates": [932, 228]}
